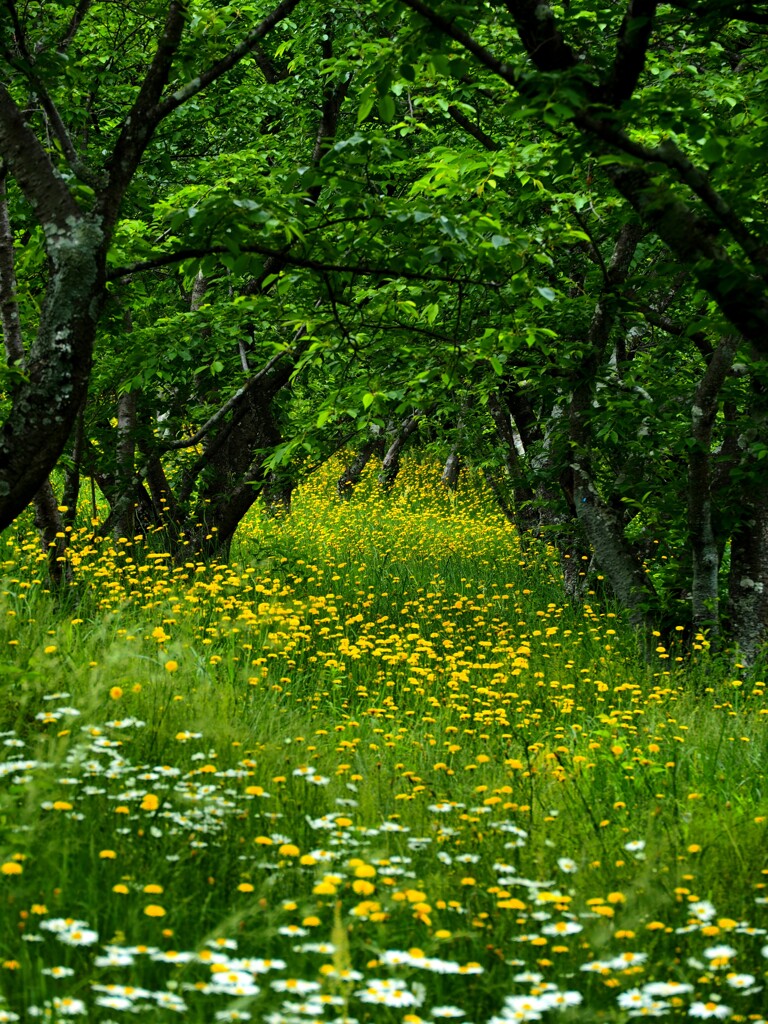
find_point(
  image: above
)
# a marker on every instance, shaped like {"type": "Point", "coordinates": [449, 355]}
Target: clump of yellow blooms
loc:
{"type": "Point", "coordinates": [375, 746]}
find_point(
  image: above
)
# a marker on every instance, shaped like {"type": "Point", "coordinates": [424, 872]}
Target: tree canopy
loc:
{"type": "Point", "coordinates": [237, 238]}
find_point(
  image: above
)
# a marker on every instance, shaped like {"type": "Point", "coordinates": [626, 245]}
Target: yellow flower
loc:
{"type": "Point", "coordinates": [325, 888]}
{"type": "Point", "coordinates": [150, 802]}
{"type": "Point", "coordinates": [153, 888]}
{"type": "Point", "coordinates": [245, 887]}
{"type": "Point", "coordinates": [365, 871]}
{"type": "Point", "coordinates": [288, 850]}
{"type": "Point", "coordinates": [120, 888]}
{"type": "Point", "coordinates": [154, 910]}
{"type": "Point", "coordinates": [116, 692]}
{"type": "Point", "coordinates": [171, 666]}
{"type": "Point", "coordinates": [11, 867]}
{"type": "Point", "coordinates": [107, 854]}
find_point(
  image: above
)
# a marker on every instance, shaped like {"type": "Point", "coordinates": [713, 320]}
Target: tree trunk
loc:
{"type": "Point", "coordinates": [71, 493]}
{"type": "Point", "coordinates": [390, 466]}
{"type": "Point", "coordinates": [613, 554]}
{"type": "Point", "coordinates": [231, 470]}
{"type": "Point", "coordinates": [124, 506]}
{"type": "Point", "coordinates": [526, 518]}
{"type": "Point", "coordinates": [351, 476]}
{"type": "Point", "coordinates": [602, 526]}
{"type": "Point", "coordinates": [705, 549]}
{"type": "Point", "coordinates": [50, 527]}
{"type": "Point", "coordinates": [163, 499]}
{"type": "Point", "coordinates": [47, 518]}
{"type": "Point", "coordinates": [451, 470]}
{"type": "Point", "coordinates": [748, 581]}
{"type": "Point", "coordinates": [45, 406]}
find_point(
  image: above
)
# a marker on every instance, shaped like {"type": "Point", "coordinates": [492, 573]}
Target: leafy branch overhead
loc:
{"type": "Point", "coordinates": [528, 237]}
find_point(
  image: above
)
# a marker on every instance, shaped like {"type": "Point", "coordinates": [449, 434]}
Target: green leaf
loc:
{"type": "Point", "coordinates": [386, 107]}
{"type": "Point", "coordinates": [712, 151]}
{"type": "Point", "coordinates": [366, 104]}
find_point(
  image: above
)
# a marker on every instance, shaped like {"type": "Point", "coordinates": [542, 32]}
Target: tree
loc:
{"type": "Point", "coordinates": [75, 186]}
{"type": "Point", "coordinates": [597, 79]}
{"type": "Point", "coordinates": [530, 238]}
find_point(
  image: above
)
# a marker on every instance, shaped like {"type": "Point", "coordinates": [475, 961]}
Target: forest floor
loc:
{"type": "Point", "coordinates": [374, 769]}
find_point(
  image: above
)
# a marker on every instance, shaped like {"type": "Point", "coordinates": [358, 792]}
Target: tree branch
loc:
{"type": "Point", "coordinates": [218, 416]}
{"type": "Point", "coordinates": [31, 166]}
{"type": "Point", "coordinates": [139, 124]}
{"type": "Point", "coordinates": [449, 28]}
{"type": "Point", "coordinates": [539, 34]}
{"type": "Point", "coordinates": [473, 129]}
{"type": "Point", "coordinates": [740, 295]}
{"type": "Point", "coordinates": [27, 68]}
{"type": "Point", "coordinates": [77, 17]}
{"type": "Point", "coordinates": [235, 55]}
{"type": "Point", "coordinates": [671, 156]}
{"type": "Point", "coordinates": [634, 36]}
{"type": "Point", "coordinates": [197, 252]}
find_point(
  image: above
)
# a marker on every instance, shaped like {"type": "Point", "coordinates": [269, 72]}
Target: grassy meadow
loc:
{"type": "Point", "coordinates": [372, 770]}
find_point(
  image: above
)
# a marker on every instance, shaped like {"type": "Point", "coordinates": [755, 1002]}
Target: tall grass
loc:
{"type": "Point", "coordinates": [373, 769]}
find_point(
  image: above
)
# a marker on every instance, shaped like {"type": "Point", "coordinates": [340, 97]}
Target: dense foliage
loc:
{"type": "Point", "coordinates": [530, 237]}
